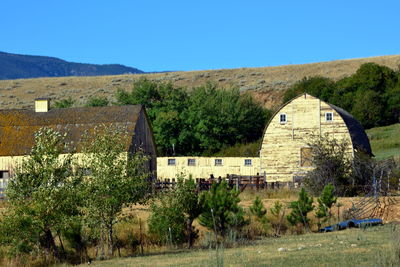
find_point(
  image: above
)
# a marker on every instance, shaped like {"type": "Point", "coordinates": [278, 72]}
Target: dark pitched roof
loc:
{"type": "Point", "coordinates": [18, 126]}
{"type": "Point", "coordinates": [358, 136]}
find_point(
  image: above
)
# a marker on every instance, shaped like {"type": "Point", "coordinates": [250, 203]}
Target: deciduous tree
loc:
{"type": "Point", "coordinates": [43, 197]}
{"type": "Point", "coordinates": [115, 178]}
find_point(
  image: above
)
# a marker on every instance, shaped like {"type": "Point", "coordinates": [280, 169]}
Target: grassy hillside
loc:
{"type": "Point", "coordinates": [266, 84]}
{"type": "Point", "coordinates": [385, 141]}
{"type": "Point", "coordinates": [354, 247]}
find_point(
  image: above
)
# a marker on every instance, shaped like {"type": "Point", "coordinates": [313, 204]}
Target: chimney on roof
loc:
{"type": "Point", "coordinates": [42, 104]}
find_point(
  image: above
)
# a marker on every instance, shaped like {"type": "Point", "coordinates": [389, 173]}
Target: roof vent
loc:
{"type": "Point", "coordinates": [42, 104]}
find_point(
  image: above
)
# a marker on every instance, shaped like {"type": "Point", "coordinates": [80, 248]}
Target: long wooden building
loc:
{"type": "Point", "coordinates": [18, 126]}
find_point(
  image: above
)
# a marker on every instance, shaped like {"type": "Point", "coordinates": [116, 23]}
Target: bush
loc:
{"type": "Point", "coordinates": [167, 222]}
{"type": "Point", "coordinates": [333, 165]}
{"type": "Point", "coordinates": [64, 103]}
{"type": "Point", "coordinates": [97, 102]}
{"type": "Point", "coordinates": [174, 214]}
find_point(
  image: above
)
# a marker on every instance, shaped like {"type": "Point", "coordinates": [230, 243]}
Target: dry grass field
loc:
{"type": "Point", "coordinates": [265, 83]}
{"type": "Point", "coordinates": [353, 247]}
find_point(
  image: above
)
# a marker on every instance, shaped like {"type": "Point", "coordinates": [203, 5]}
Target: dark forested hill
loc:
{"type": "Point", "coordinates": [14, 66]}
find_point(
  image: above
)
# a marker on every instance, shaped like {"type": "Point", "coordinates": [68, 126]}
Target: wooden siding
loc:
{"type": "Point", "coordinates": [280, 154]}
{"type": "Point", "coordinates": [143, 139]}
{"type": "Point", "coordinates": [205, 166]}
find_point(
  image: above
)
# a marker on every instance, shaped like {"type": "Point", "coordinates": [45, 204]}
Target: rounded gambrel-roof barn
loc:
{"type": "Point", "coordinates": [284, 153]}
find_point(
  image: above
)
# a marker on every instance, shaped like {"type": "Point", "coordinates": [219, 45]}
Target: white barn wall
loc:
{"type": "Point", "coordinates": [205, 166]}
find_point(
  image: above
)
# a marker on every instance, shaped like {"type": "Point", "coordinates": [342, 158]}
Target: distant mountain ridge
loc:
{"type": "Point", "coordinates": [15, 66]}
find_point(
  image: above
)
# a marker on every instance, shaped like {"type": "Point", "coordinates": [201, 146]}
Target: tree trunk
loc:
{"type": "Point", "coordinates": [110, 240]}
{"type": "Point", "coordinates": [62, 246]}
{"type": "Point", "coordinates": [47, 242]}
{"type": "Point", "coordinates": [189, 232]}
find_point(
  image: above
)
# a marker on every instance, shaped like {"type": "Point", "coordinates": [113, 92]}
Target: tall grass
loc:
{"type": "Point", "coordinates": [391, 255]}
{"type": "Point", "coordinates": [281, 193]}
{"type": "Point", "coordinates": [353, 247]}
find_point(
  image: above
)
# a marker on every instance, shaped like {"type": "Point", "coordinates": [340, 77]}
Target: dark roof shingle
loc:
{"type": "Point", "coordinates": [358, 136]}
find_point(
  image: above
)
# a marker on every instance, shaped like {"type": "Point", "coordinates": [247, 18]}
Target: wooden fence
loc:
{"type": "Point", "coordinates": [257, 182]}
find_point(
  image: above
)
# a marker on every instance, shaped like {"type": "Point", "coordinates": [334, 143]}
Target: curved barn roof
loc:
{"type": "Point", "coordinates": [18, 126]}
{"type": "Point", "coordinates": [358, 136]}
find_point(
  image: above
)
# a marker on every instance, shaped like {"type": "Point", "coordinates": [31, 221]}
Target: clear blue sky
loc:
{"type": "Point", "coordinates": [195, 35]}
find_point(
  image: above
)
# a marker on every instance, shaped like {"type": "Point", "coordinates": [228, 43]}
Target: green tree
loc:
{"type": "Point", "coordinates": [97, 102]}
{"type": "Point", "coordinates": [217, 118]}
{"type": "Point", "coordinates": [173, 216]}
{"type": "Point", "coordinates": [64, 103]}
{"type": "Point", "coordinates": [221, 210]}
{"type": "Point", "coordinates": [276, 209]}
{"type": "Point", "coordinates": [317, 86]}
{"type": "Point", "coordinates": [117, 178]}
{"type": "Point", "coordinates": [259, 212]}
{"type": "Point", "coordinates": [300, 209]}
{"type": "Point", "coordinates": [371, 76]}
{"type": "Point", "coordinates": [168, 122]}
{"type": "Point", "coordinates": [144, 92]}
{"type": "Point", "coordinates": [43, 197]}
{"type": "Point", "coordinates": [392, 97]}
{"type": "Point", "coordinates": [164, 105]}
{"type": "Point", "coordinates": [370, 94]}
{"type": "Point", "coordinates": [325, 202]}
{"type": "Point", "coordinates": [365, 94]}
{"type": "Point", "coordinates": [257, 208]}
{"type": "Point", "coordinates": [187, 194]}
{"type": "Point", "coordinates": [167, 221]}
{"type": "Point", "coordinates": [368, 108]}
{"type": "Point", "coordinates": [278, 213]}
{"type": "Point", "coordinates": [199, 122]}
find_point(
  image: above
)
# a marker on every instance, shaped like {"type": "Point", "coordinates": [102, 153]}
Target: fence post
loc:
{"type": "Point", "coordinates": [258, 183]}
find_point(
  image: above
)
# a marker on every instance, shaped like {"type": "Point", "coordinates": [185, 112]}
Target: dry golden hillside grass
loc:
{"type": "Point", "coordinates": [267, 84]}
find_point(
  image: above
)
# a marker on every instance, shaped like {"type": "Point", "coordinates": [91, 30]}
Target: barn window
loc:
{"type": "Point", "coordinates": [282, 118]}
{"type": "Point", "coordinates": [4, 174]}
{"type": "Point", "coordinates": [218, 162]}
{"type": "Point", "coordinates": [247, 162]}
{"type": "Point", "coordinates": [171, 162]}
{"type": "Point", "coordinates": [329, 116]}
{"type": "Point", "coordinates": [306, 157]}
{"type": "Point", "coordinates": [191, 162]}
